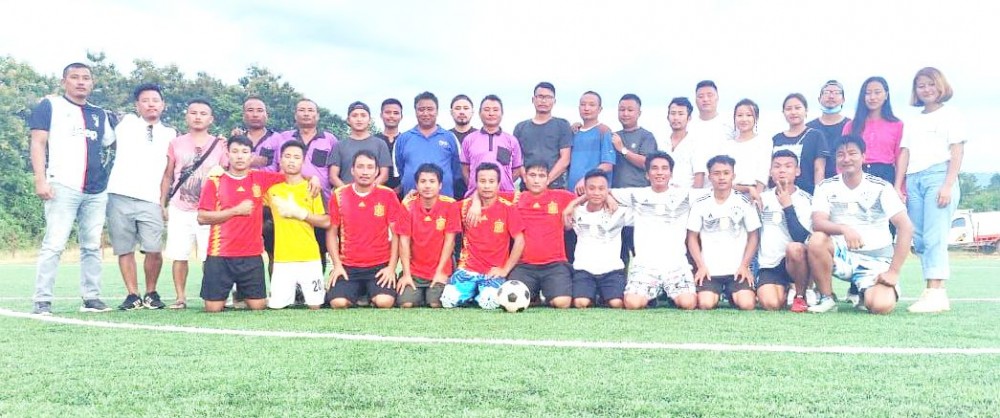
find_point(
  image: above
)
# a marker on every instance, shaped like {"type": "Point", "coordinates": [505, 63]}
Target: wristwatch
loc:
{"type": "Point", "coordinates": [625, 151]}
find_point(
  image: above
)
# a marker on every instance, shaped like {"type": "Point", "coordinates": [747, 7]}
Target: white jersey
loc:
{"type": "Point", "coordinates": [141, 158]}
{"type": "Point", "coordinates": [753, 159]}
{"type": "Point", "coordinates": [599, 239]}
{"type": "Point", "coordinates": [689, 159]}
{"type": "Point", "coordinates": [723, 228]}
{"type": "Point", "coordinates": [660, 220]}
{"type": "Point", "coordinates": [774, 235]}
{"type": "Point", "coordinates": [866, 208]}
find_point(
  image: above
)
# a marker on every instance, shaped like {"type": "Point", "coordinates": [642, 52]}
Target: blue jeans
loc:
{"type": "Point", "coordinates": [61, 211]}
{"type": "Point", "coordinates": [931, 223]}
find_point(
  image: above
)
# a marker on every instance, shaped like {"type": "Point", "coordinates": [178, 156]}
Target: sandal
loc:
{"type": "Point", "coordinates": [178, 305]}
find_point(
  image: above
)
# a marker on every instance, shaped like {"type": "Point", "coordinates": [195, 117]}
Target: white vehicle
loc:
{"type": "Point", "coordinates": [975, 230]}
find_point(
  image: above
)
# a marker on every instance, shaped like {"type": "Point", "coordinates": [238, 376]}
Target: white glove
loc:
{"type": "Point", "coordinates": [288, 208]}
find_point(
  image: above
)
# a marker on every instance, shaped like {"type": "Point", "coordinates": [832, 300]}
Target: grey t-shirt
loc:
{"type": "Point", "coordinates": [343, 155]}
{"type": "Point", "coordinates": [543, 142]}
{"type": "Point", "coordinates": [626, 174]}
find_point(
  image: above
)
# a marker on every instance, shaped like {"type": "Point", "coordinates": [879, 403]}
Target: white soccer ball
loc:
{"type": "Point", "coordinates": [514, 296]}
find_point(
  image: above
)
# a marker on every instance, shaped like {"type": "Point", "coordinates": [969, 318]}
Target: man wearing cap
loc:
{"type": "Point", "coordinates": [831, 123]}
{"type": "Point", "coordinates": [359, 119]}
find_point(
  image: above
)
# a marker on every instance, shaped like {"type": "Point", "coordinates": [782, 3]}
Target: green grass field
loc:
{"type": "Point", "coordinates": [53, 369]}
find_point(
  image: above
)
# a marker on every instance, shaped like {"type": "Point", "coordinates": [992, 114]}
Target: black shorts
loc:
{"type": "Point", "coordinates": [723, 285]}
{"type": "Point", "coordinates": [777, 275]}
{"type": "Point", "coordinates": [220, 273]}
{"type": "Point", "coordinates": [628, 244]}
{"type": "Point", "coordinates": [554, 280]}
{"type": "Point", "coordinates": [361, 281]}
{"type": "Point", "coordinates": [610, 285]}
{"type": "Point", "coordinates": [423, 295]}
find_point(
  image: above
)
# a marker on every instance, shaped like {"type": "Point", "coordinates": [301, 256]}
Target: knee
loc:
{"type": "Point", "coordinates": [771, 303]}
{"type": "Point", "coordinates": [383, 301]}
{"type": "Point", "coordinates": [748, 303]}
{"type": "Point", "coordinates": [616, 304]}
{"type": "Point", "coordinates": [880, 305]}
{"type": "Point", "coordinates": [406, 305]}
{"type": "Point", "coordinates": [562, 302]}
{"type": "Point", "coordinates": [434, 305]}
{"type": "Point", "coordinates": [708, 302]}
{"type": "Point", "coordinates": [635, 302]}
{"type": "Point", "coordinates": [583, 303]}
{"type": "Point", "coordinates": [819, 243]}
{"type": "Point", "coordinates": [686, 302]}
{"type": "Point", "coordinates": [795, 252]}
{"type": "Point", "coordinates": [340, 303]}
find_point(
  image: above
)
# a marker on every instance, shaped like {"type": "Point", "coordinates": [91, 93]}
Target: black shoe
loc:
{"type": "Point", "coordinates": [152, 301]}
{"type": "Point", "coordinates": [131, 302]}
{"type": "Point", "coordinates": [42, 308]}
{"type": "Point", "coordinates": [95, 305]}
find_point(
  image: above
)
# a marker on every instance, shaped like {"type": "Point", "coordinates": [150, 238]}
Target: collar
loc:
{"type": "Point", "coordinates": [437, 131]}
{"type": "Point", "coordinates": [498, 132]}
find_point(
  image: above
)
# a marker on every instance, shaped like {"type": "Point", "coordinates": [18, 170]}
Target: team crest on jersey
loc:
{"type": "Point", "coordinates": [440, 223]}
{"type": "Point", "coordinates": [498, 227]}
{"type": "Point", "coordinates": [379, 210]}
{"type": "Point", "coordinates": [553, 208]}
{"type": "Point", "coordinates": [256, 190]}
{"type": "Point", "coordinates": [94, 118]}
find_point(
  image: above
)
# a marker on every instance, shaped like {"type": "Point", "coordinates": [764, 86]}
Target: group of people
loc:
{"type": "Point", "coordinates": [582, 214]}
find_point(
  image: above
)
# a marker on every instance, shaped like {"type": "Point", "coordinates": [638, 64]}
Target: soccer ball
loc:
{"type": "Point", "coordinates": [514, 296]}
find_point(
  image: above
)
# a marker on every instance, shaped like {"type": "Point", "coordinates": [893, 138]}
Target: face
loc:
{"type": "Point", "coordinates": [795, 112]}
{"type": "Point", "coordinates": [745, 120]}
{"type": "Point", "coordinates": [784, 170]}
{"type": "Point", "coordinates": [678, 117]}
{"type": "Point", "coordinates": [927, 89]}
{"type": "Point", "coordinates": [149, 105]}
{"type": "Point", "coordinates": [428, 186]}
{"type": "Point", "coordinates": [487, 183]}
{"type": "Point", "coordinates": [391, 115]}
{"type": "Point", "coordinates": [306, 114]}
{"type": "Point", "coordinates": [597, 190]}
{"type": "Point", "coordinates": [628, 113]}
{"type": "Point", "coordinates": [721, 176]}
{"type": "Point", "coordinates": [590, 109]}
{"type": "Point", "coordinates": [850, 159]}
{"type": "Point", "coordinates": [239, 157]}
{"type": "Point", "coordinates": [536, 180]}
{"type": "Point", "coordinates": [78, 83]}
{"type": "Point", "coordinates": [707, 99]}
{"type": "Point", "coordinates": [291, 160]}
{"type": "Point", "coordinates": [364, 171]}
{"type": "Point", "coordinates": [491, 113]}
{"type": "Point", "coordinates": [543, 100]}
{"type": "Point", "coordinates": [831, 97]}
{"type": "Point", "coordinates": [427, 113]}
{"type": "Point", "coordinates": [359, 120]}
{"type": "Point", "coordinates": [875, 96]}
{"type": "Point", "coordinates": [254, 114]}
{"type": "Point", "coordinates": [198, 117]}
{"type": "Point", "coordinates": [461, 112]}
{"type": "Point", "coordinates": [659, 173]}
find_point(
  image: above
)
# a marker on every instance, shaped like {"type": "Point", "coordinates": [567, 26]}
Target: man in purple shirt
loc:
{"type": "Point", "coordinates": [491, 145]}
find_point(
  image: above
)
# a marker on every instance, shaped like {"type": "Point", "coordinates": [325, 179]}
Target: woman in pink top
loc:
{"type": "Point", "coordinates": [881, 130]}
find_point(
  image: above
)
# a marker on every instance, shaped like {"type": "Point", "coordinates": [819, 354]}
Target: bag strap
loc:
{"type": "Point", "coordinates": [194, 167]}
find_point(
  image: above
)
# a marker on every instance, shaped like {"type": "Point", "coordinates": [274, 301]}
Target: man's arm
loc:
{"type": "Point", "coordinates": [39, 142]}
{"type": "Point", "coordinates": [215, 217]}
{"type": "Point", "coordinates": [445, 260]}
{"type": "Point", "coordinates": [904, 236]}
{"type": "Point", "coordinates": [753, 237]}
{"type": "Point", "coordinates": [559, 168]}
{"type": "Point", "coordinates": [383, 175]}
{"type": "Point", "coordinates": [466, 172]}
{"type": "Point", "coordinates": [694, 248]}
{"type": "Point", "coordinates": [335, 176]}
{"type": "Point", "coordinates": [515, 254]}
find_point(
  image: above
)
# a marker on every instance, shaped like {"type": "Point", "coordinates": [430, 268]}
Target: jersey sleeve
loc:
{"type": "Point", "coordinates": [890, 201]}
{"type": "Point", "coordinates": [607, 149]}
{"type": "Point", "coordinates": [404, 223]}
{"type": "Point", "coordinates": [957, 132]}
{"type": "Point", "coordinates": [820, 202]}
{"type": "Point", "coordinates": [648, 144]}
{"type": "Point", "coordinates": [317, 207]}
{"type": "Point", "coordinates": [803, 209]}
{"type": "Point", "coordinates": [751, 218]}
{"type": "Point", "coordinates": [566, 136]}
{"type": "Point", "coordinates": [41, 116]}
{"type": "Point", "coordinates": [516, 158]}
{"type": "Point", "coordinates": [266, 179]}
{"type": "Point", "coordinates": [515, 225]}
{"type": "Point", "coordinates": [209, 199]}
{"type": "Point", "coordinates": [694, 219]}
{"type": "Point", "coordinates": [453, 220]}
{"type": "Point", "coordinates": [334, 206]}
{"type": "Point", "coordinates": [623, 196]}
{"type": "Point", "coordinates": [463, 156]}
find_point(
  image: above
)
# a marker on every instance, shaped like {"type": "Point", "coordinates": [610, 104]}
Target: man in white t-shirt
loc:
{"type": "Point", "coordinates": [851, 239]}
{"type": "Point", "coordinates": [785, 218]}
{"type": "Point", "coordinates": [660, 213]}
{"type": "Point", "coordinates": [687, 149]}
{"type": "Point", "coordinates": [135, 216]}
{"type": "Point", "coordinates": [709, 124]}
{"type": "Point", "coordinates": [723, 232]}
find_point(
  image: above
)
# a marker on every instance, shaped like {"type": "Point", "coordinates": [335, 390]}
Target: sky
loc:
{"type": "Point", "coordinates": [336, 51]}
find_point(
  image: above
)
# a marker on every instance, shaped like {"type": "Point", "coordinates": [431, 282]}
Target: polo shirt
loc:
{"type": "Point", "coordinates": [315, 163]}
{"type": "Point", "coordinates": [440, 148]}
{"type": "Point", "coordinates": [591, 147]}
{"type": "Point", "coordinates": [638, 141]}
{"type": "Point", "coordinates": [499, 148]}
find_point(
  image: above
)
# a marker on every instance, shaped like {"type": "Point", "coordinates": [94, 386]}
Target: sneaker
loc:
{"type": "Point", "coordinates": [826, 304]}
{"type": "Point", "coordinates": [790, 296]}
{"type": "Point", "coordinates": [853, 295]}
{"type": "Point", "coordinates": [131, 302]}
{"type": "Point", "coordinates": [799, 305]}
{"type": "Point", "coordinates": [42, 308]}
{"type": "Point", "coordinates": [931, 301]}
{"type": "Point", "coordinates": [95, 305]}
{"type": "Point", "coordinates": [811, 297]}
{"type": "Point", "coordinates": [152, 301]}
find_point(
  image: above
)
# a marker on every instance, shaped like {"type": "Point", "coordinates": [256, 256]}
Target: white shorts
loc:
{"type": "Point", "coordinates": [185, 235]}
{"type": "Point", "coordinates": [860, 268]}
{"type": "Point", "coordinates": [307, 274]}
{"type": "Point", "coordinates": [651, 282]}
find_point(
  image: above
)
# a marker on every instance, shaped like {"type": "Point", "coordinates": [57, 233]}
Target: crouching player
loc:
{"type": "Point", "coordinates": [786, 219]}
{"type": "Point", "coordinates": [597, 267]}
{"type": "Point", "coordinates": [426, 232]}
{"type": "Point", "coordinates": [487, 254]}
{"type": "Point", "coordinates": [364, 256]}
{"type": "Point", "coordinates": [296, 213]}
{"type": "Point", "coordinates": [851, 239]}
{"type": "Point", "coordinates": [722, 238]}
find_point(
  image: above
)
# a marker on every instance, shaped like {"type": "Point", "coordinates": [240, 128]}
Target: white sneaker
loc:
{"type": "Point", "coordinates": [791, 296]}
{"type": "Point", "coordinates": [931, 301]}
{"type": "Point", "coordinates": [825, 304]}
{"type": "Point", "coordinates": [811, 297]}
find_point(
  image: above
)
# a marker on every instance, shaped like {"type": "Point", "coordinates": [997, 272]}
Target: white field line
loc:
{"type": "Point", "coordinates": [28, 298]}
{"type": "Point", "coordinates": [512, 342]}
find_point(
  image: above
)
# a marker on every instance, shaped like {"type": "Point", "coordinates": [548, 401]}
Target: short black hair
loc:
{"type": "Point", "coordinates": [681, 101]}
{"type": "Point", "coordinates": [200, 101]}
{"type": "Point", "coordinates": [491, 97]}
{"type": "Point", "coordinates": [544, 85]}
{"type": "Point", "coordinates": [599, 100]}
{"type": "Point", "coordinates": [537, 164]}
{"type": "Point", "coordinates": [706, 83]}
{"type": "Point", "coordinates": [633, 97]}
{"type": "Point", "coordinates": [784, 153]}
{"type": "Point", "coordinates": [661, 155]}
{"type": "Point", "coordinates": [488, 167]}
{"type": "Point", "coordinates": [721, 159]}
{"type": "Point", "coordinates": [74, 66]}
{"type": "Point", "coordinates": [460, 97]}
{"type": "Point", "coordinates": [597, 172]}
{"type": "Point", "coordinates": [293, 144]}
{"type": "Point", "coordinates": [425, 96]}
{"type": "Point", "coordinates": [428, 168]}
{"type": "Point", "coordinates": [239, 140]}
{"type": "Point", "coordinates": [851, 139]}
{"type": "Point", "coordinates": [146, 87]}
{"type": "Point", "coordinates": [391, 101]}
{"type": "Point", "coordinates": [363, 153]}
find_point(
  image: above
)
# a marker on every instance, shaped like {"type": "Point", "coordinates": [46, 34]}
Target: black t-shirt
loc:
{"type": "Point", "coordinates": [832, 135]}
{"type": "Point", "coordinates": [393, 181]}
{"type": "Point", "coordinates": [809, 146]}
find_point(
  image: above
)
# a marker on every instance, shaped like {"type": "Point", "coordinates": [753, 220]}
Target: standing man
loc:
{"type": "Point", "coordinates": [592, 146]}
{"type": "Point", "coordinates": [135, 216]}
{"type": "Point", "coordinates": [69, 140]}
{"type": "Point", "coordinates": [427, 143]}
{"type": "Point", "coordinates": [461, 113]}
{"type": "Point", "coordinates": [359, 119]}
{"type": "Point", "coordinates": [255, 129]}
{"type": "Point", "coordinates": [545, 138]}
{"type": "Point", "coordinates": [685, 148]}
{"type": "Point", "coordinates": [715, 129]}
{"type": "Point", "coordinates": [633, 143]}
{"type": "Point", "coordinates": [831, 123]}
{"type": "Point", "coordinates": [391, 113]}
{"type": "Point", "coordinates": [491, 145]}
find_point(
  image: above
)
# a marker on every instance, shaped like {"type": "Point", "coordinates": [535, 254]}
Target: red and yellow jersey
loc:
{"type": "Point", "coordinates": [363, 224]}
{"type": "Point", "coordinates": [487, 245]}
{"type": "Point", "coordinates": [427, 229]}
{"type": "Point", "coordinates": [240, 236]}
{"type": "Point", "coordinates": [543, 224]}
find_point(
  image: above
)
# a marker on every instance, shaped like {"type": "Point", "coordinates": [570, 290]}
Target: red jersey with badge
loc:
{"type": "Point", "coordinates": [543, 224]}
{"type": "Point", "coordinates": [487, 245]}
{"type": "Point", "coordinates": [240, 236]}
{"type": "Point", "coordinates": [426, 229]}
{"type": "Point", "coordinates": [363, 223]}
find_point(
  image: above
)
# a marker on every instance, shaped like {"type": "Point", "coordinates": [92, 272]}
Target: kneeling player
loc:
{"type": "Point", "coordinates": [786, 219]}
{"type": "Point", "coordinates": [722, 238]}
{"type": "Point", "coordinates": [426, 232]}
{"type": "Point", "coordinates": [487, 255]}
{"type": "Point", "coordinates": [851, 216]}
{"type": "Point", "coordinates": [598, 269]}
